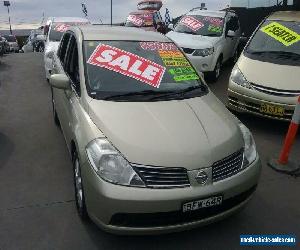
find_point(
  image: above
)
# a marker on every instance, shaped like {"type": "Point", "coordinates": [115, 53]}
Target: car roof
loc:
{"type": "Point", "coordinates": [142, 12]}
{"type": "Point", "coordinates": [289, 16]}
{"type": "Point", "coordinates": [121, 33]}
{"type": "Point", "coordinates": [210, 13]}
{"type": "Point", "coordinates": [69, 19]}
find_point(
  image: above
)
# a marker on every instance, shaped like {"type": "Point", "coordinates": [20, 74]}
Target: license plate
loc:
{"type": "Point", "coordinates": [196, 205]}
{"type": "Point", "coordinates": [272, 109]}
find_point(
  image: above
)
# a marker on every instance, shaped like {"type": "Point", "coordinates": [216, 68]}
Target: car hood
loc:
{"type": "Point", "coordinates": [192, 133]}
{"type": "Point", "coordinates": [270, 75]}
{"type": "Point", "coordinates": [193, 41]}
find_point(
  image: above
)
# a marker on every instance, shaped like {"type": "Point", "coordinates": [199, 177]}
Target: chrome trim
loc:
{"type": "Point", "coordinates": [276, 92]}
{"type": "Point", "coordinates": [162, 177]}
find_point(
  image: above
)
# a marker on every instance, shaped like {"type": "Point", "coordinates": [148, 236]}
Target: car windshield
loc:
{"type": "Point", "coordinates": [11, 39]}
{"type": "Point", "coordinates": [277, 42]}
{"type": "Point", "coordinates": [140, 20]}
{"type": "Point", "coordinates": [58, 29]}
{"type": "Point", "coordinates": [139, 71]}
{"type": "Point", "coordinates": [200, 25]}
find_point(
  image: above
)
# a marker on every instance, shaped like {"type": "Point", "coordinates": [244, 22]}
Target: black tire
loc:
{"type": "Point", "coordinates": [214, 75]}
{"type": "Point", "coordinates": [78, 188]}
{"type": "Point", "coordinates": [235, 57]}
{"type": "Point", "coordinates": [55, 116]}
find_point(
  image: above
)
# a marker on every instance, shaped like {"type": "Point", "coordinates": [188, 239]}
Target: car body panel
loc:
{"type": "Point", "coordinates": [276, 76]}
{"type": "Point", "coordinates": [172, 140]}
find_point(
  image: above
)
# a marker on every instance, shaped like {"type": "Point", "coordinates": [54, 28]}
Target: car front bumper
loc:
{"type": "Point", "coordinates": [246, 100]}
{"type": "Point", "coordinates": [203, 64]}
{"type": "Point", "coordinates": [129, 210]}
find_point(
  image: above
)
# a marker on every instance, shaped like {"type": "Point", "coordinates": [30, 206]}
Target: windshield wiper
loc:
{"type": "Point", "coordinates": [214, 35]}
{"type": "Point", "coordinates": [136, 93]}
{"type": "Point", "coordinates": [276, 52]}
{"type": "Point", "coordinates": [181, 94]}
{"type": "Point", "coordinates": [189, 32]}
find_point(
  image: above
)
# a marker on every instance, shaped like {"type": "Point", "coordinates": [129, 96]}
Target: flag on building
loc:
{"type": "Point", "coordinates": [168, 19]}
{"type": "Point", "coordinates": [84, 9]}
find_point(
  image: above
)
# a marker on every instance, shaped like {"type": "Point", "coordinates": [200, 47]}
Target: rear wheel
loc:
{"type": "Point", "coordinates": [235, 57]}
{"type": "Point", "coordinates": [78, 186]}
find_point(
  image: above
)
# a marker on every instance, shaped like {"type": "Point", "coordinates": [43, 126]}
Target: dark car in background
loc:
{"type": "Point", "coordinates": [13, 43]}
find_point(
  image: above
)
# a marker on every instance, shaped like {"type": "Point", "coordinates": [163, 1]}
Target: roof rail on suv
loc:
{"type": "Point", "coordinates": [198, 8]}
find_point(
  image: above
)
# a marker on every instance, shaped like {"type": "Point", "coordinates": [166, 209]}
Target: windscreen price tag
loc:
{"type": "Point", "coordinates": [192, 23]}
{"type": "Point", "coordinates": [62, 27]}
{"type": "Point", "coordinates": [127, 64]}
{"type": "Point", "coordinates": [281, 33]}
{"type": "Point", "coordinates": [135, 20]}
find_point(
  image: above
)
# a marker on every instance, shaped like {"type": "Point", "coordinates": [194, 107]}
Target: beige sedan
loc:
{"type": "Point", "coordinates": [153, 149]}
{"type": "Point", "coordinates": [265, 80]}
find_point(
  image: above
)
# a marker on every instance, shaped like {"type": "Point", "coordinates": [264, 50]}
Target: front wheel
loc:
{"type": "Point", "coordinates": [235, 57]}
{"type": "Point", "coordinates": [78, 186]}
{"type": "Point", "coordinates": [214, 75]}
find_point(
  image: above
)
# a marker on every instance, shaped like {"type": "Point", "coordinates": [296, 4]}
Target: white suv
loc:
{"type": "Point", "coordinates": [54, 29]}
{"type": "Point", "coordinates": [209, 38]}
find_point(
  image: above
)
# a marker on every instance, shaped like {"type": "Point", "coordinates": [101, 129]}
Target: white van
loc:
{"type": "Point", "coordinates": [265, 81]}
{"type": "Point", "coordinates": [54, 29]}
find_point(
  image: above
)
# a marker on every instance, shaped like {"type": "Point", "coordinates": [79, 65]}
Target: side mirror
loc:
{"type": "Point", "coordinates": [60, 81]}
{"type": "Point", "coordinates": [230, 33]}
{"type": "Point", "coordinates": [171, 26]}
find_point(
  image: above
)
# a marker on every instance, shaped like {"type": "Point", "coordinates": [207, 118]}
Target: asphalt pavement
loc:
{"type": "Point", "coordinates": [37, 208]}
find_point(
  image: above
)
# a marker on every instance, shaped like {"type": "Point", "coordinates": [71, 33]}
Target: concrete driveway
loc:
{"type": "Point", "coordinates": [37, 208]}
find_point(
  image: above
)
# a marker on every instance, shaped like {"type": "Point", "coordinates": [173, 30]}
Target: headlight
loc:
{"type": "Point", "coordinates": [203, 52]}
{"type": "Point", "coordinates": [249, 147]}
{"type": "Point", "coordinates": [110, 165]}
{"type": "Point", "coordinates": [238, 77]}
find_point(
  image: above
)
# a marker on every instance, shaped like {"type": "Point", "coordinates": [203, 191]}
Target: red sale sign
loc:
{"type": "Point", "coordinates": [192, 23]}
{"type": "Point", "coordinates": [127, 64]}
{"type": "Point", "coordinates": [136, 20]}
{"type": "Point", "coordinates": [61, 27]}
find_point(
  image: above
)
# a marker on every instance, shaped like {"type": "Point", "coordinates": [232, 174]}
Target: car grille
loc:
{"type": "Point", "coordinates": [161, 177]}
{"type": "Point", "coordinates": [228, 167]}
{"type": "Point", "coordinates": [276, 92]}
{"type": "Point", "coordinates": [188, 51]}
{"type": "Point", "coordinates": [147, 220]}
{"type": "Point", "coordinates": [255, 108]}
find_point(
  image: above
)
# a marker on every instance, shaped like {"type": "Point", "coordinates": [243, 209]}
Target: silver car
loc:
{"type": "Point", "coordinates": [153, 149]}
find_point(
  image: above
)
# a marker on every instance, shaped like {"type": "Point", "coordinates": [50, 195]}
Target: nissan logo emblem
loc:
{"type": "Point", "coordinates": [201, 177]}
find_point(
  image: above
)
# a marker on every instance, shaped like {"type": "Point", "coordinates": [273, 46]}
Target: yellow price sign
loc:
{"type": "Point", "coordinates": [281, 33]}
